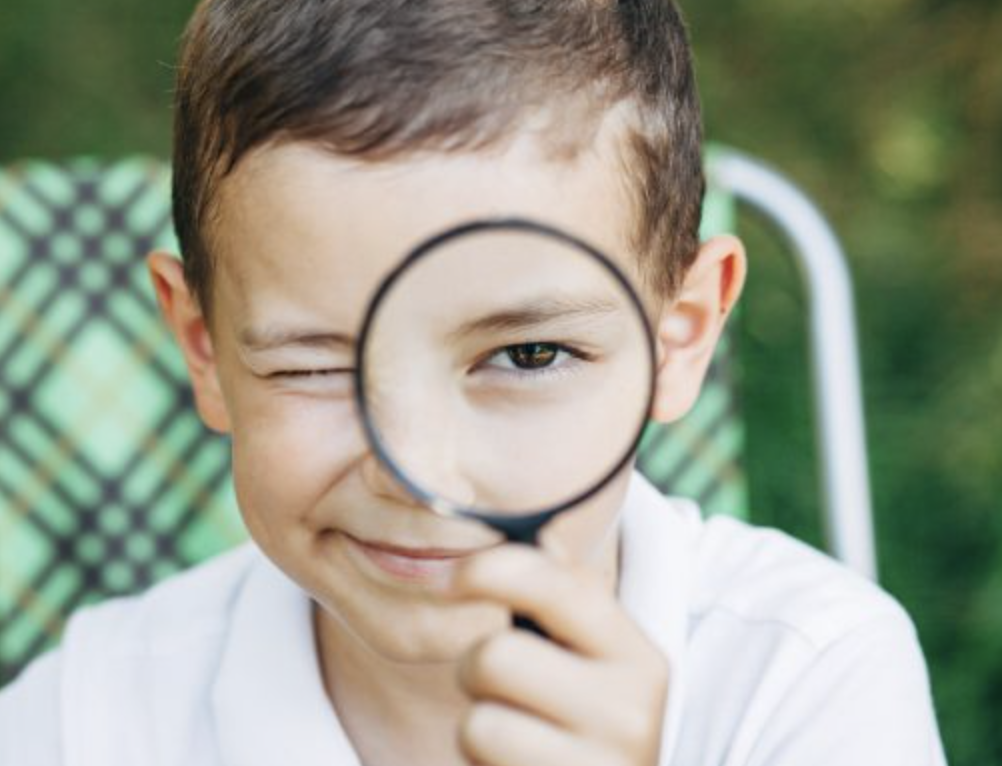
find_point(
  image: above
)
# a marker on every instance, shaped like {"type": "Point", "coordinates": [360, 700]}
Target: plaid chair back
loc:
{"type": "Point", "coordinates": [108, 480]}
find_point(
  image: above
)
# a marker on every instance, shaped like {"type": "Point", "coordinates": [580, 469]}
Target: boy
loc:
{"type": "Point", "coordinates": [316, 142]}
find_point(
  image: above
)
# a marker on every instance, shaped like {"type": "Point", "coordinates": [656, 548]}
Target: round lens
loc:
{"type": "Point", "coordinates": [505, 368]}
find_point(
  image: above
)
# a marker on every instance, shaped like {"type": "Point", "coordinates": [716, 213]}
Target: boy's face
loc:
{"type": "Point", "coordinates": [303, 239]}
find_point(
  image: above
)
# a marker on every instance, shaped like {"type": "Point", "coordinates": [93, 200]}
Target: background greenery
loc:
{"type": "Point", "coordinates": [890, 113]}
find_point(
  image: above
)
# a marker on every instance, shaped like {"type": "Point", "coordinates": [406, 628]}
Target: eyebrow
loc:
{"type": "Point", "coordinates": [271, 338]}
{"type": "Point", "coordinates": [532, 314]}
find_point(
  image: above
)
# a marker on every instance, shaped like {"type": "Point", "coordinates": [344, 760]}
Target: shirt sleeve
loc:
{"type": "Point", "coordinates": [30, 731]}
{"type": "Point", "coordinates": [865, 701]}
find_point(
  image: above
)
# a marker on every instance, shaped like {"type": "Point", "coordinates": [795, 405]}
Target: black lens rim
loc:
{"type": "Point", "coordinates": [498, 519]}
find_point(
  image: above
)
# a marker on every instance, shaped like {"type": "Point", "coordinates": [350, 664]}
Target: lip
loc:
{"type": "Point", "coordinates": [411, 563]}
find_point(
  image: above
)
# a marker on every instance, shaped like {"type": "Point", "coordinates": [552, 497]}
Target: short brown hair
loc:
{"type": "Point", "coordinates": [381, 80]}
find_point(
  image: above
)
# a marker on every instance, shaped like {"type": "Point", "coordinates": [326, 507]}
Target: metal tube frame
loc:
{"type": "Point", "coordinates": [838, 403]}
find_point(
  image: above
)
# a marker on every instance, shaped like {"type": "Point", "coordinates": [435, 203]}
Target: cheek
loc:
{"type": "Point", "coordinates": [288, 452]}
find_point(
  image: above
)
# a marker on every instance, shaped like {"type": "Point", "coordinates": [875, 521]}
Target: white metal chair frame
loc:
{"type": "Point", "coordinates": [838, 404]}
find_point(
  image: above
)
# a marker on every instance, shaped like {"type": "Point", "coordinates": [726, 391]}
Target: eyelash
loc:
{"type": "Point", "coordinates": [309, 373]}
{"type": "Point", "coordinates": [576, 354]}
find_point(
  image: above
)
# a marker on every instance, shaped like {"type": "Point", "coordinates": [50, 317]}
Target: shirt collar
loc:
{"type": "Point", "coordinates": [657, 539]}
{"type": "Point", "coordinates": [268, 700]}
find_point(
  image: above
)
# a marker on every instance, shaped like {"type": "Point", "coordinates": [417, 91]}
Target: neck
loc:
{"type": "Point", "coordinates": [393, 714]}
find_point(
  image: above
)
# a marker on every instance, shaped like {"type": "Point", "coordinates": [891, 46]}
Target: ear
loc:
{"type": "Point", "coordinates": [183, 315]}
{"type": "Point", "coordinates": [689, 327]}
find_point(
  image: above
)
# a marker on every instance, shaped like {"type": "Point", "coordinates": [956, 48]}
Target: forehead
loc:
{"type": "Point", "coordinates": [305, 235]}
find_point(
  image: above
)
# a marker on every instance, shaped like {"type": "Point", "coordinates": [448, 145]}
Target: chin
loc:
{"type": "Point", "coordinates": [425, 636]}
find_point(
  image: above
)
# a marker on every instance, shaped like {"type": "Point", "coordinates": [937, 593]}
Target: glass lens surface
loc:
{"type": "Point", "coordinates": [505, 371]}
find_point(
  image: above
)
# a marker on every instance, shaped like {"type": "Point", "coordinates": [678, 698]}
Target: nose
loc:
{"type": "Point", "coordinates": [382, 483]}
{"type": "Point", "coordinates": [423, 440]}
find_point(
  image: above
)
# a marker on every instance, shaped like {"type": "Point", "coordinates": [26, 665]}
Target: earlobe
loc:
{"type": "Point", "coordinates": [186, 321]}
{"type": "Point", "coordinates": [689, 326]}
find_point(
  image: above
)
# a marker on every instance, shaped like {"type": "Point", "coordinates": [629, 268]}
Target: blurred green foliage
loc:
{"type": "Point", "coordinates": [890, 113]}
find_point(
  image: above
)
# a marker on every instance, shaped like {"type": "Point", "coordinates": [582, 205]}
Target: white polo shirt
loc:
{"type": "Point", "coordinates": [779, 657]}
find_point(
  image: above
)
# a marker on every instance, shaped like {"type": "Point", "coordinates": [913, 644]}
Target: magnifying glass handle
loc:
{"type": "Point", "coordinates": [524, 530]}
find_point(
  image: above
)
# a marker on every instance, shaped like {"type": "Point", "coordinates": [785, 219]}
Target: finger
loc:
{"type": "Point", "coordinates": [496, 735]}
{"type": "Point", "coordinates": [572, 605]}
{"type": "Point", "coordinates": [527, 672]}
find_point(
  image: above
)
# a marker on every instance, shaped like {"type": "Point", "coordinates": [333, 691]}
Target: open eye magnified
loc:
{"type": "Point", "coordinates": [505, 373]}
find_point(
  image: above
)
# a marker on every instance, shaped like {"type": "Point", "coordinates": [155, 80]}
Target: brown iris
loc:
{"type": "Point", "coordinates": [532, 356]}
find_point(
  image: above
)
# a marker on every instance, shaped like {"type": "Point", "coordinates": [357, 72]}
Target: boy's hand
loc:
{"type": "Point", "coordinates": [592, 695]}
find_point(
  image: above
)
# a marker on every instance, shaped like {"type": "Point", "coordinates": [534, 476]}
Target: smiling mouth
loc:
{"type": "Point", "coordinates": [413, 564]}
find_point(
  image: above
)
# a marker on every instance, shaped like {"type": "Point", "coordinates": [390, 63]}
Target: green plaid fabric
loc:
{"type": "Point", "coordinates": [108, 481]}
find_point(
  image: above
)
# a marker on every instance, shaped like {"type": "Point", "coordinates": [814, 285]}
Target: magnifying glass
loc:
{"type": "Point", "coordinates": [505, 373]}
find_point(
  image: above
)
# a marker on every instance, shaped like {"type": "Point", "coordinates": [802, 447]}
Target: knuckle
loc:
{"type": "Point", "coordinates": [566, 590]}
{"type": "Point", "coordinates": [635, 724]}
{"type": "Point", "coordinates": [490, 662]}
{"type": "Point", "coordinates": [589, 577]}
{"type": "Point", "coordinates": [479, 727]}
{"type": "Point", "coordinates": [635, 728]}
{"type": "Point", "coordinates": [650, 669]}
